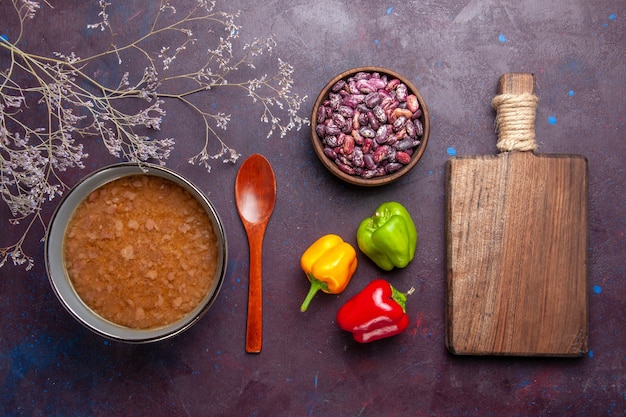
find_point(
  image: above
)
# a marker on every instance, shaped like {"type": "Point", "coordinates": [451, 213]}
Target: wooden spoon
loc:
{"type": "Point", "coordinates": [255, 194]}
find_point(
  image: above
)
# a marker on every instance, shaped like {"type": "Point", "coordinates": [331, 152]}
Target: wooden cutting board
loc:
{"type": "Point", "coordinates": [516, 237]}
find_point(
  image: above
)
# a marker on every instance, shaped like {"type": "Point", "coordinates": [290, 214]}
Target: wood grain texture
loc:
{"type": "Point", "coordinates": [516, 236]}
{"type": "Point", "coordinates": [255, 195]}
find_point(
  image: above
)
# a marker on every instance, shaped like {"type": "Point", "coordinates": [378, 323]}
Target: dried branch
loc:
{"type": "Point", "coordinates": [81, 108]}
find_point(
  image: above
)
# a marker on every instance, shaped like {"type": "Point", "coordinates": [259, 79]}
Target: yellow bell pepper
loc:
{"type": "Point", "coordinates": [329, 263]}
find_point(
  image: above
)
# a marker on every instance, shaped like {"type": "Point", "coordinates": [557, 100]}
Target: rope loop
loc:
{"type": "Point", "coordinates": [515, 121]}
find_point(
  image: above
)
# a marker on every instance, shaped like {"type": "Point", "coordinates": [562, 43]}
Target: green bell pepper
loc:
{"type": "Point", "coordinates": [388, 237]}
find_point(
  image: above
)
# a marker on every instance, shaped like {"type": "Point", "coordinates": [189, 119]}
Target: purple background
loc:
{"type": "Point", "coordinates": [454, 52]}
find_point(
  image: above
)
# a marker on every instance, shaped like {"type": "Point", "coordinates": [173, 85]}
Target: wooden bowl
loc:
{"type": "Point", "coordinates": [356, 179]}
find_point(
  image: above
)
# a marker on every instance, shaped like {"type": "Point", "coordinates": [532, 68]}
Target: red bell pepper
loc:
{"type": "Point", "coordinates": [377, 312]}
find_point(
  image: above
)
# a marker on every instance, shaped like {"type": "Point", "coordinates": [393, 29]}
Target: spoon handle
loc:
{"type": "Point", "coordinates": [254, 329]}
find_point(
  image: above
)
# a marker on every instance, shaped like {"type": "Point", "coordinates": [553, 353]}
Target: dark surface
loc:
{"type": "Point", "coordinates": [454, 52]}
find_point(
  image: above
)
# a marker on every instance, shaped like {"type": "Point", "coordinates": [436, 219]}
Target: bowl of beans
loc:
{"type": "Point", "coordinates": [136, 254]}
{"type": "Point", "coordinates": [370, 126]}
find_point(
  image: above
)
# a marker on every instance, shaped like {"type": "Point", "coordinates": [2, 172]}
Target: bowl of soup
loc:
{"type": "Point", "coordinates": [136, 253]}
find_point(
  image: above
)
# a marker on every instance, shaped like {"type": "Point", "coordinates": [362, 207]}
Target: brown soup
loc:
{"type": "Point", "coordinates": [141, 251]}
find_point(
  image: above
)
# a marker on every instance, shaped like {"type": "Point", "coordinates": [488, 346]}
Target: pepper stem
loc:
{"type": "Point", "coordinates": [316, 285]}
{"type": "Point", "coordinates": [400, 297]}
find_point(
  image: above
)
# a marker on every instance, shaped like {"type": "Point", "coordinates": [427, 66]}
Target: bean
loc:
{"type": "Point", "coordinates": [372, 100]}
{"type": "Point", "coordinates": [406, 144]}
{"type": "Point", "coordinates": [403, 157]}
{"type": "Point", "coordinates": [352, 87]}
{"type": "Point", "coordinates": [363, 118]}
{"type": "Point", "coordinates": [331, 141]}
{"type": "Point", "coordinates": [373, 121]}
{"type": "Point", "coordinates": [358, 138]}
{"type": "Point", "coordinates": [321, 114]}
{"type": "Point", "coordinates": [335, 100]}
{"type": "Point", "coordinates": [382, 134]}
{"type": "Point", "coordinates": [339, 120]}
{"type": "Point", "coordinates": [368, 160]}
{"type": "Point", "coordinates": [339, 85]}
{"type": "Point", "coordinates": [355, 120]}
{"type": "Point", "coordinates": [377, 83]}
{"type": "Point", "coordinates": [401, 92]}
{"type": "Point", "coordinates": [367, 132]}
{"type": "Point", "coordinates": [364, 86]}
{"type": "Point", "coordinates": [392, 84]}
{"type": "Point", "coordinates": [419, 127]}
{"type": "Point", "coordinates": [381, 153]}
{"type": "Point", "coordinates": [348, 144]}
{"type": "Point", "coordinates": [410, 128]}
{"type": "Point", "coordinates": [399, 123]}
{"type": "Point", "coordinates": [329, 152]}
{"type": "Point", "coordinates": [320, 129]}
{"type": "Point", "coordinates": [393, 167]}
{"type": "Point", "coordinates": [368, 145]}
{"type": "Point", "coordinates": [358, 157]}
{"type": "Point", "coordinates": [346, 111]}
{"type": "Point", "coordinates": [400, 134]}
{"type": "Point", "coordinates": [353, 100]}
{"type": "Point", "coordinates": [332, 128]}
{"type": "Point", "coordinates": [345, 168]}
{"type": "Point", "coordinates": [370, 125]}
{"type": "Point", "coordinates": [370, 173]}
{"type": "Point", "coordinates": [412, 103]}
{"type": "Point", "coordinates": [380, 114]}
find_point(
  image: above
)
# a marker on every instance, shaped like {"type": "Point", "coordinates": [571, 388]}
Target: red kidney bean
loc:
{"type": "Point", "coordinates": [339, 85]}
{"type": "Point", "coordinates": [321, 114]}
{"type": "Point", "coordinates": [392, 167]}
{"type": "Point", "coordinates": [381, 153]}
{"type": "Point", "coordinates": [412, 103]}
{"type": "Point", "coordinates": [339, 120]}
{"type": "Point", "coordinates": [364, 86]}
{"type": "Point", "coordinates": [373, 121]}
{"type": "Point", "coordinates": [400, 134]}
{"type": "Point", "coordinates": [368, 160]}
{"type": "Point", "coordinates": [380, 114]}
{"type": "Point", "coordinates": [345, 168]}
{"type": "Point", "coordinates": [370, 125]}
{"type": "Point", "coordinates": [348, 145]}
{"type": "Point", "coordinates": [382, 134]}
{"type": "Point", "coordinates": [331, 141]}
{"type": "Point", "coordinates": [403, 157]}
{"type": "Point", "coordinates": [419, 127]}
{"type": "Point", "coordinates": [406, 144]}
{"type": "Point", "coordinates": [353, 100]}
{"type": "Point", "coordinates": [358, 138]}
{"type": "Point", "coordinates": [330, 153]}
{"type": "Point", "coordinates": [363, 118]}
{"type": "Point", "coordinates": [346, 111]}
{"type": "Point", "coordinates": [392, 84]}
{"type": "Point", "coordinates": [332, 129]}
{"type": "Point", "coordinates": [401, 92]}
{"type": "Point", "coordinates": [368, 145]}
{"type": "Point", "coordinates": [410, 129]}
{"type": "Point", "coordinates": [399, 123]}
{"type": "Point", "coordinates": [357, 157]}
{"type": "Point", "coordinates": [372, 100]}
{"type": "Point", "coordinates": [367, 132]}
{"type": "Point", "coordinates": [377, 83]}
